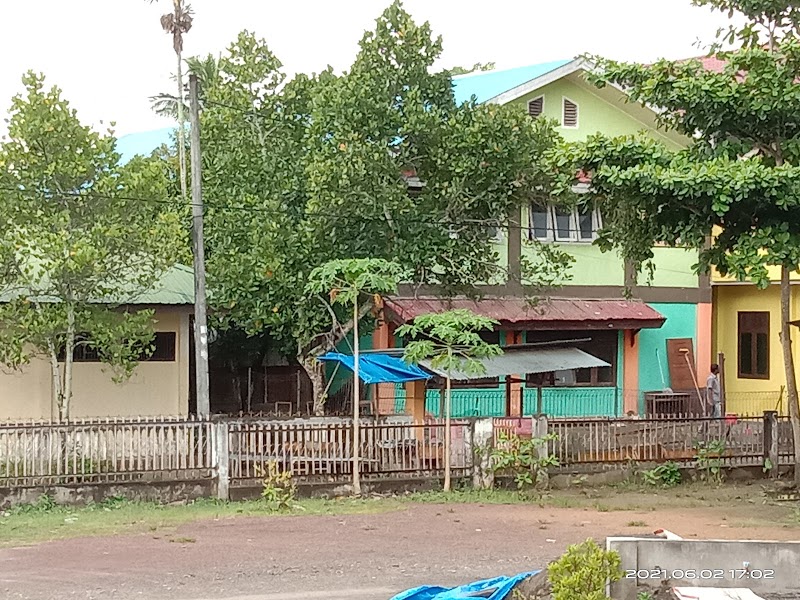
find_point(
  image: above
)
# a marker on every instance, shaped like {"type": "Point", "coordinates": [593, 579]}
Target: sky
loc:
{"type": "Point", "coordinates": [110, 56]}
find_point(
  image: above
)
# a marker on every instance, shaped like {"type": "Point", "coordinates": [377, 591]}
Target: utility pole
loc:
{"type": "Point", "coordinates": [200, 315]}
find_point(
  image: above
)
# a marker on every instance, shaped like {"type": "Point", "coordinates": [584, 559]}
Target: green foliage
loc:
{"type": "Point", "coordinates": [77, 242]}
{"type": "Point", "coordinates": [45, 504]}
{"type": "Point", "coordinates": [346, 280]}
{"type": "Point", "coordinates": [522, 457]}
{"type": "Point", "coordinates": [644, 596]}
{"type": "Point", "coordinates": [773, 17]}
{"type": "Point", "coordinates": [279, 489]}
{"type": "Point", "coordinates": [316, 168]}
{"type": "Point", "coordinates": [666, 475]}
{"type": "Point", "coordinates": [451, 340]}
{"type": "Point", "coordinates": [708, 460]}
{"type": "Point", "coordinates": [583, 572]}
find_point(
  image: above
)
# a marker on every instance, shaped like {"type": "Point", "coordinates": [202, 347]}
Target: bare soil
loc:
{"type": "Point", "coordinates": [307, 556]}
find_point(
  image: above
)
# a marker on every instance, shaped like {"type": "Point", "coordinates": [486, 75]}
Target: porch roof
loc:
{"type": "Point", "coordinates": [553, 314]}
{"type": "Point", "coordinates": [529, 360]}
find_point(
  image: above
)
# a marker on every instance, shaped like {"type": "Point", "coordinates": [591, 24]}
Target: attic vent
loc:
{"type": "Point", "coordinates": [536, 107]}
{"type": "Point", "coordinates": [570, 114]}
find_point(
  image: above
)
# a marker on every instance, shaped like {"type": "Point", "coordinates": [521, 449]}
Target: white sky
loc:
{"type": "Point", "coordinates": [109, 56]}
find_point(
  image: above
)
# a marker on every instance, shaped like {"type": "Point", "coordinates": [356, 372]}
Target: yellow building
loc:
{"type": "Point", "coordinates": [746, 331]}
{"type": "Point", "coordinates": [159, 386]}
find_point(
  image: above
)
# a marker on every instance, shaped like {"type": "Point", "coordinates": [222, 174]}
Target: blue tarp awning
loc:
{"type": "Point", "coordinates": [378, 368]}
{"type": "Point", "coordinates": [498, 588]}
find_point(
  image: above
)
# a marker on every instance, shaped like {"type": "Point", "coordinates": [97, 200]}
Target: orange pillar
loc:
{"type": "Point", "coordinates": [415, 400]}
{"type": "Point", "coordinates": [382, 339]}
{"type": "Point", "coordinates": [630, 372]}
{"type": "Point", "coordinates": [704, 358]}
{"type": "Point", "coordinates": [515, 388]}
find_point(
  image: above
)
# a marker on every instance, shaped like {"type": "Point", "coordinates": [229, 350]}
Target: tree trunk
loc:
{"type": "Point", "coordinates": [316, 373]}
{"type": "Point", "coordinates": [55, 375]}
{"type": "Point", "coordinates": [447, 408]}
{"type": "Point", "coordinates": [69, 349]}
{"type": "Point", "coordinates": [356, 407]}
{"type": "Point", "coordinates": [788, 364]}
{"type": "Point", "coordinates": [181, 129]}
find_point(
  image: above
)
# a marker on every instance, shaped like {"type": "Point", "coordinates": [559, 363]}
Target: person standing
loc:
{"type": "Point", "coordinates": [713, 398]}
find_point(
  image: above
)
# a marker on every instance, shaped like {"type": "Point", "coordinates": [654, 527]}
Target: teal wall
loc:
{"type": "Point", "coordinates": [681, 323]}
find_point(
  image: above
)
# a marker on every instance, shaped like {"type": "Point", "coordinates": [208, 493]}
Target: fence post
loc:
{"type": "Point", "coordinates": [482, 434]}
{"type": "Point", "coordinates": [221, 454]}
{"type": "Point", "coordinates": [539, 431]}
{"type": "Point", "coordinates": [771, 441]}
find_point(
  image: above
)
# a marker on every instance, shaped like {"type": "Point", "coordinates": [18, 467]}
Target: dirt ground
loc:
{"type": "Point", "coordinates": [366, 556]}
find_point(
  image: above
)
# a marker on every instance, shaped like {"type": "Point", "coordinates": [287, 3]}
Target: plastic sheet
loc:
{"type": "Point", "coordinates": [498, 588]}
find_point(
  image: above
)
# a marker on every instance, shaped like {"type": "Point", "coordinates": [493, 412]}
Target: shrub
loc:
{"type": "Point", "coordinates": [708, 460]}
{"type": "Point", "coordinates": [278, 487]}
{"type": "Point", "coordinates": [522, 458]}
{"type": "Point", "coordinates": [583, 572]}
{"type": "Point", "coordinates": [666, 475]}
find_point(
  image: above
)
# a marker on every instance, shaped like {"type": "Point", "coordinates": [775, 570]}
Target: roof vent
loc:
{"type": "Point", "coordinates": [536, 107]}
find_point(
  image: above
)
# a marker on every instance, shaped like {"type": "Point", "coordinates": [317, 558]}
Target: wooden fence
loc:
{"type": "Point", "coordinates": [117, 450]}
{"type": "Point", "coordinates": [324, 451]}
{"type": "Point", "coordinates": [236, 451]}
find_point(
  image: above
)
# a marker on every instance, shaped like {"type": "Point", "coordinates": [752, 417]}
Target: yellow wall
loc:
{"type": "Point", "coordinates": [156, 388]}
{"type": "Point", "coordinates": [751, 396]}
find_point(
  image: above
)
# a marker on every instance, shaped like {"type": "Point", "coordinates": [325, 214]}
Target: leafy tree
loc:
{"type": "Point", "coordinates": [177, 24]}
{"type": "Point", "coordinates": [77, 243]}
{"type": "Point", "coordinates": [301, 172]}
{"type": "Point", "coordinates": [474, 68]}
{"type": "Point", "coordinates": [207, 71]}
{"type": "Point", "coordinates": [453, 343]}
{"type": "Point", "coordinates": [347, 282]}
{"type": "Point", "coordinates": [740, 179]}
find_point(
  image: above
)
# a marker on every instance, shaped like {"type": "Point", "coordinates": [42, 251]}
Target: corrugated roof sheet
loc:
{"type": "Point", "coordinates": [176, 287]}
{"type": "Point", "coordinates": [143, 143]}
{"type": "Point", "coordinates": [603, 313]}
{"type": "Point", "coordinates": [485, 85]}
{"type": "Point", "coordinates": [536, 360]}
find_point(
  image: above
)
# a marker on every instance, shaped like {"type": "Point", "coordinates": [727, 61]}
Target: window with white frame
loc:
{"type": "Point", "coordinates": [569, 114]}
{"type": "Point", "coordinates": [550, 223]}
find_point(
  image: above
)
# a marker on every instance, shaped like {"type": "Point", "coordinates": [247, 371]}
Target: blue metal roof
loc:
{"type": "Point", "coordinates": [143, 143]}
{"type": "Point", "coordinates": [485, 85]}
{"type": "Point", "coordinates": [378, 368]}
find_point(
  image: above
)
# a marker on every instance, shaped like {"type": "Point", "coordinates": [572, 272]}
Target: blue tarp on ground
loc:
{"type": "Point", "coordinates": [378, 368]}
{"type": "Point", "coordinates": [497, 589]}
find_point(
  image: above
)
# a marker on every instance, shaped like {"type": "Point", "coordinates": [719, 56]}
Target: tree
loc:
{"type": "Point", "coordinates": [301, 172]}
{"type": "Point", "coordinates": [453, 342]}
{"type": "Point", "coordinates": [347, 282]}
{"type": "Point", "coordinates": [473, 69]}
{"type": "Point", "coordinates": [206, 69]}
{"type": "Point", "coordinates": [177, 23]}
{"type": "Point", "coordinates": [78, 242]}
{"type": "Point", "coordinates": [739, 180]}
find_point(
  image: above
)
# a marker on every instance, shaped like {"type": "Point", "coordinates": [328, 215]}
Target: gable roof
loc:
{"type": "Point", "coordinates": [143, 143]}
{"type": "Point", "coordinates": [485, 85]}
{"type": "Point", "coordinates": [175, 287]}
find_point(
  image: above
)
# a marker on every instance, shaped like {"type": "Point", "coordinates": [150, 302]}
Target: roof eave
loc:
{"type": "Point", "coordinates": [539, 82]}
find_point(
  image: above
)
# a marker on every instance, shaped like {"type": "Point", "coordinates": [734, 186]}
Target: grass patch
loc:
{"type": "Point", "coordinates": [44, 520]}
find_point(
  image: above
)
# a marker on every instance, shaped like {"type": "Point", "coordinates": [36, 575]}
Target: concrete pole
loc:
{"type": "Point", "coordinates": [198, 247]}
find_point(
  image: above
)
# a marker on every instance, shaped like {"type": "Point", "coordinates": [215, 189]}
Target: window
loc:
{"type": "Point", "coordinates": [753, 333]}
{"type": "Point", "coordinates": [602, 344]}
{"type": "Point", "coordinates": [569, 114]}
{"type": "Point", "coordinates": [536, 107]}
{"type": "Point", "coordinates": [490, 337]}
{"type": "Point", "coordinates": [164, 343]}
{"type": "Point", "coordinates": [554, 223]}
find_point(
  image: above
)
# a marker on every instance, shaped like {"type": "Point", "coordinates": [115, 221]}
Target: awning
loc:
{"type": "Point", "coordinates": [535, 360]}
{"type": "Point", "coordinates": [552, 314]}
{"type": "Point", "coordinates": [378, 368]}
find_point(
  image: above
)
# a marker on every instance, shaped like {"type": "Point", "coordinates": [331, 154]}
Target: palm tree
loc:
{"type": "Point", "coordinates": [207, 71]}
{"type": "Point", "coordinates": [177, 23]}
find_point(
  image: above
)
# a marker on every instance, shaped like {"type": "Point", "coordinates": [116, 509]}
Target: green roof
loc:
{"type": "Point", "coordinates": [176, 287]}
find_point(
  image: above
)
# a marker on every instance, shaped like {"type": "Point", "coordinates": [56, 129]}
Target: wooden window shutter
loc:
{"type": "Point", "coordinates": [570, 114]}
{"type": "Point", "coordinates": [536, 107]}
